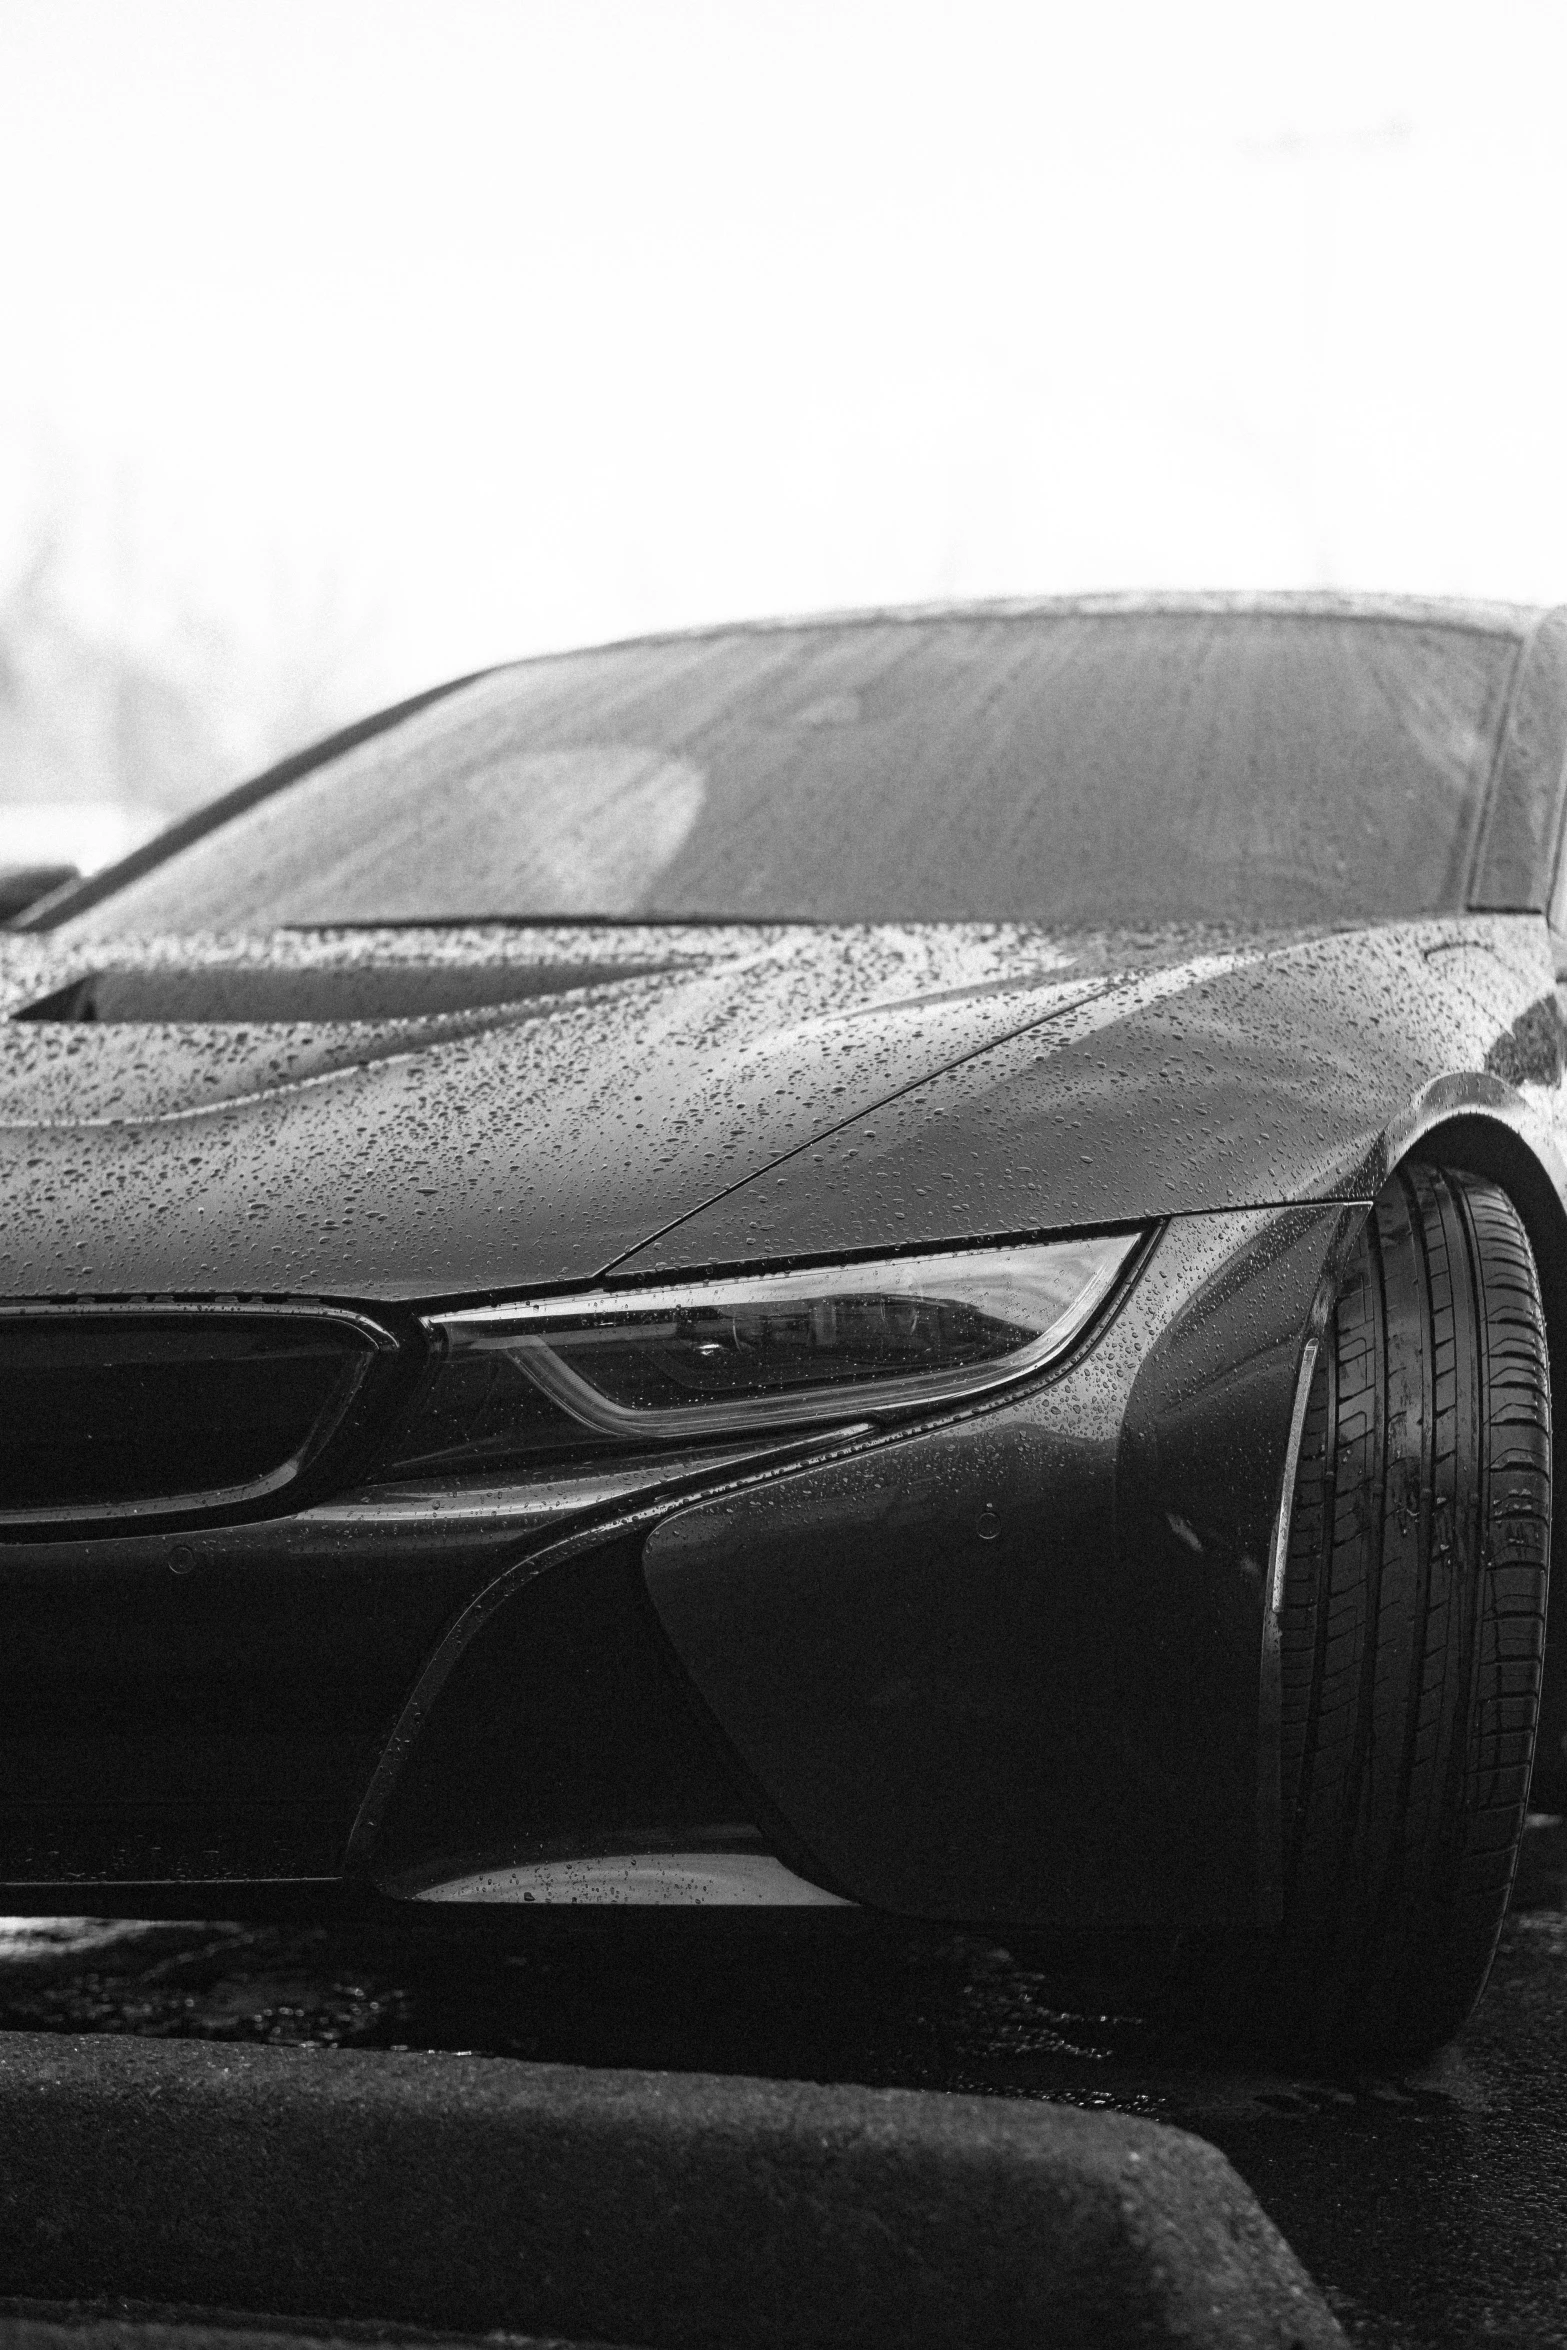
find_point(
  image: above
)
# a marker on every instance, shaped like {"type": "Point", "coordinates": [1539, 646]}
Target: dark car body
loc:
{"type": "Point", "coordinates": [1006, 1659]}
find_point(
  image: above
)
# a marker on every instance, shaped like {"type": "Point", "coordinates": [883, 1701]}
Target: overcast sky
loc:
{"type": "Point", "coordinates": [516, 324]}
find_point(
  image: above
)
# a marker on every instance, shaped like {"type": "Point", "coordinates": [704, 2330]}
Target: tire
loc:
{"type": "Point", "coordinates": [1412, 1639]}
{"type": "Point", "coordinates": [1413, 1632]}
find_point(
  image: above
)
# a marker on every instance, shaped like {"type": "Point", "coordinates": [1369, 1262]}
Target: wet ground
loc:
{"type": "Point", "coordinates": [1431, 2205]}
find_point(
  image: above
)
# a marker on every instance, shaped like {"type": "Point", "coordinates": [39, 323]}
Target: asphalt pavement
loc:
{"type": "Point", "coordinates": [1430, 2205]}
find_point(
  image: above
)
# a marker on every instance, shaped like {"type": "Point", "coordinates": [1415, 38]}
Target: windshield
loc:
{"type": "Point", "coordinates": [1077, 770]}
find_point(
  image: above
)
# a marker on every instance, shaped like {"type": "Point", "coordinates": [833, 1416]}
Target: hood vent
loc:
{"type": "Point", "coordinates": [257, 994]}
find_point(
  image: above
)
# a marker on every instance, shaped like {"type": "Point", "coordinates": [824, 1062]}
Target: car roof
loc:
{"type": "Point", "coordinates": [1476, 614]}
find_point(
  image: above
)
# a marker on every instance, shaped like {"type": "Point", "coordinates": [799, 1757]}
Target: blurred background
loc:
{"type": "Point", "coordinates": [350, 344]}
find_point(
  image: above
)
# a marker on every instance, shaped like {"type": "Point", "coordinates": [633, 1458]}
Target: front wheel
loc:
{"type": "Point", "coordinates": [1412, 1635]}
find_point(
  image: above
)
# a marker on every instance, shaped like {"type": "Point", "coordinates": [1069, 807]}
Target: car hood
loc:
{"type": "Point", "coordinates": [1278, 1071]}
{"type": "Point", "coordinates": [417, 1116]}
{"type": "Point", "coordinates": [396, 1114]}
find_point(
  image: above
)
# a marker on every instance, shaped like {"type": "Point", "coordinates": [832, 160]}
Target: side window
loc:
{"type": "Point", "coordinates": [1557, 917]}
{"type": "Point", "coordinates": [1524, 821]}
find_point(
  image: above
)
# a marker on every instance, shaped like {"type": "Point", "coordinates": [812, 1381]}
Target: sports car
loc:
{"type": "Point", "coordinates": [909, 1261]}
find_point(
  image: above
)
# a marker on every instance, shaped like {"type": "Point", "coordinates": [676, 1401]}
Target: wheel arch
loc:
{"type": "Point", "coordinates": [1491, 1146]}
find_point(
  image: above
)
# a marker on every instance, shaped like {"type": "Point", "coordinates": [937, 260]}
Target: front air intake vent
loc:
{"type": "Point", "coordinates": [140, 1414]}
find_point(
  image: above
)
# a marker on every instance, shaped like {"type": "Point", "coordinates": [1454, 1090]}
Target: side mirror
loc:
{"type": "Point", "coordinates": [22, 886]}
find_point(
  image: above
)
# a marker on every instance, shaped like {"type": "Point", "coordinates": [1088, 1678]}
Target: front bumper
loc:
{"type": "Point", "coordinates": [1003, 1666]}
{"type": "Point", "coordinates": [1000, 1665]}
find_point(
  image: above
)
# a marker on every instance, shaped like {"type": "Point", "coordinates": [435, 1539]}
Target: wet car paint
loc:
{"type": "Point", "coordinates": [912, 1641]}
{"type": "Point", "coordinates": [1007, 1667]}
{"type": "Point", "coordinates": [1303, 1071]}
{"type": "Point", "coordinates": [753, 1096]}
{"type": "Point", "coordinates": [400, 1118]}
{"type": "Point", "coordinates": [392, 1160]}
{"type": "Point", "coordinates": [240, 1713]}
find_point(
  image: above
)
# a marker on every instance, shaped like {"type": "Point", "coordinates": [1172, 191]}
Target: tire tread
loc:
{"type": "Point", "coordinates": [1413, 1625]}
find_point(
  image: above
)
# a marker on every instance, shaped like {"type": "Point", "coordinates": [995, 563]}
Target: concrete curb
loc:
{"type": "Point", "coordinates": [677, 2211]}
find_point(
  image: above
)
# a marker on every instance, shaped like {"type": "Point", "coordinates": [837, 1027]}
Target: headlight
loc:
{"type": "Point", "coordinates": [710, 1359]}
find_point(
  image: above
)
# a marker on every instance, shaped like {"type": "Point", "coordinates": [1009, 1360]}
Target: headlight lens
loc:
{"type": "Point", "coordinates": [710, 1359]}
